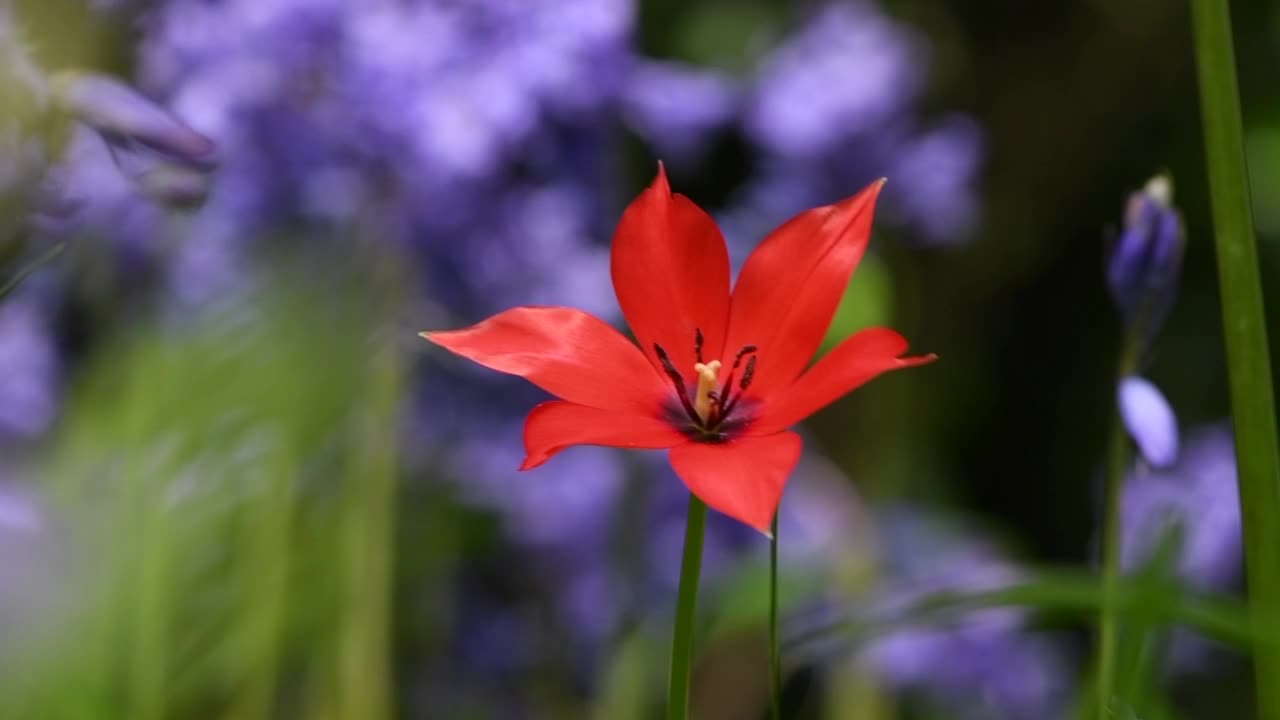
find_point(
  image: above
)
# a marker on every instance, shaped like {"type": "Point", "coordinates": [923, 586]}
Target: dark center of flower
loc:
{"type": "Point", "coordinates": [709, 414]}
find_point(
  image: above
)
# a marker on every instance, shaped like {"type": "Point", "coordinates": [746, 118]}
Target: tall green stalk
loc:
{"type": "Point", "coordinates": [686, 610]}
{"type": "Point", "coordinates": [368, 549]}
{"type": "Point", "coordinates": [268, 550]}
{"type": "Point", "coordinates": [1244, 327]}
{"type": "Point", "coordinates": [1117, 463]}
{"type": "Point", "coordinates": [775, 656]}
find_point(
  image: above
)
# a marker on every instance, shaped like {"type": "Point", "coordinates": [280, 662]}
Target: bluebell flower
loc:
{"type": "Point", "coordinates": [678, 108]}
{"type": "Point", "coordinates": [845, 73]}
{"type": "Point", "coordinates": [833, 107]}
{"type": "Point", "coordinates": [1147, 259]}
{"type": "Point", "coordinates": [30, 365]}
{"type": "Point", "coordinates": [1006, 671]}
{"type": "Point", "coordinates": [1199, 496]}
{"type": "Point", "coordinates": [1149, 419]}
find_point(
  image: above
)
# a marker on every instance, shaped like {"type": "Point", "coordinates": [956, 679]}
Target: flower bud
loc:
{"type": "Point", "coordinates": [1146, 261]}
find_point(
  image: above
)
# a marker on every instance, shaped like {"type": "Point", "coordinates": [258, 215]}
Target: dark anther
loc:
{"type": "Point", "coordinates": [697, 343]}
{"type": "Point", "coordinates": [670, 368]}
{"type": "Point", "coordinates": [728, 399]}
{"type": "Point", "coordinates": [746, 349]}
{"type": "Point", "coordinates": [665, 359]}
{"type": "Point", "coordinates": [749, 374]}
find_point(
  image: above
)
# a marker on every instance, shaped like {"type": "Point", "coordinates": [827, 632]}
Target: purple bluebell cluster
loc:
{"type": "Point", "coordinates": [150, 148]}
{"type": "Point", "coordinates": [1198, 496]}
{"type": "Point", "coordinates": [1180, 492]}
{"type": "Point", "coordinates": [828, 110]}
{"type": "Point", "coordinates": [986, 664]}
{"type": "Point", "coordinates": [833, 108]}
{"type": "Point", "coordinates": [471, 134]}
{"type": "Point", "coordinates": [30, 365]}
{"type": "Point", "coordinates": [1188, 485]}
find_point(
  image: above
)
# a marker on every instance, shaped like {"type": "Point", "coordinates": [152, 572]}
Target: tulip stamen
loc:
{"type": "Point", "coordinates": [703, 404]}
{"type": "Point", "coordinates": [670, 369]}
{"type": "Point", "coordinates": [727, 398]}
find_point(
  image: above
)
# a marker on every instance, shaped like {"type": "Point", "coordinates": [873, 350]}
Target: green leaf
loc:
{"type": "Point", "coordinates": [867, 302]}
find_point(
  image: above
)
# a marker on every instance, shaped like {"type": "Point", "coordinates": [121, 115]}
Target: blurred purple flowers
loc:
{"type": "Point", "coordinates": [985, 664]}
{"type": "Point", "coordinates": [30, 367]}
{"type": "Point", "coordinates": [1198, 496]}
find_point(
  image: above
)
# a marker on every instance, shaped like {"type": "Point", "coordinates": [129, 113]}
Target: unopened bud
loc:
{"type": "Point", "coordinates": [1147, 259]}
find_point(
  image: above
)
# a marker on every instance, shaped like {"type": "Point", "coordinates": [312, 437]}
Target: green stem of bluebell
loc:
{"type": "Point", "coordinates": [686, 612]}
{"type": "Point", "coordinates": [1117, 464]}
{"type": "Point", "coordinates": [1244, 328]}
{"type": "Point", "coordinates": [775, 656]}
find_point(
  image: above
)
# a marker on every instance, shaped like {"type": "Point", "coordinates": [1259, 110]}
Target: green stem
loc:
{"type": "Point", "coordinates": [368, 549]}
{"type": "Point", "coordinates": [686, 608]}
{"type": "Point", "coordinates": [1117, 464]}
{"type": "Point", "coordinates": [775, 657]}
{"type": "Point", "coordinates": [1244, 327]}
{"type": "Point", "coordinates": [267, 564]}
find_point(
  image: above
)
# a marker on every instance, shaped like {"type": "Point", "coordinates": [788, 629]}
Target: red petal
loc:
{"type": "Point", "coordinates": [791, 284]}
{"type": "Point", "coordinates": [851, 363]}
{"type": "Point", "coordinates": [567, 352]}
{"type": "Point", "coordinates": [671, 274]}
{"type": "Point", "coordinates": [554, 426]}
{"type": "Point", "coordinates": [742, 478]}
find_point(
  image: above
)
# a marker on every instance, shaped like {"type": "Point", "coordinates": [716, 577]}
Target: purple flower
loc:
{"type": "Point", "coordinates": [832, 108]}
{"type": "Point", "coordinates": [932, 175]}
{"type": "Point", "coordinates": [1147, 259]}
{"type": "Point", "coordinates": [677, 108]}
{"type": "Point", "coordinates": [983, 664]}
{"type": "Point", "coordinates": [30, 367]}
{"type": "Point", "coordinates": [1198, 496]}
{"type": "Point", "coordinates": [1149, 419]}
{"type": "Point", "coordinates": [121, 114]}
{"type": "Point", "coordinates": [552, 508]}
{"type": "Point", "coordinates": [849, 71]}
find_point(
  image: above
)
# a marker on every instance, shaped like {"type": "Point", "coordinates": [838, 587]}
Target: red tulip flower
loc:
{"type": "Point", "coordinates": [717, 377]}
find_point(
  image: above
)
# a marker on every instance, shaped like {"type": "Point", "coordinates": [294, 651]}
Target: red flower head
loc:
{"type": "Point", "coordinates": [718, 378]}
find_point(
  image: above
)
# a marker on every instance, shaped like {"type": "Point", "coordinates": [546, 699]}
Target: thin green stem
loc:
{"type": "Point", "coordinates": [1244, 327]}
{"type": "Point", "coordinates": [1117, 464]}
{"type": "Point", "coordinates": [686, 609]}
{"type": "Point", "coordinates": [775, 657]}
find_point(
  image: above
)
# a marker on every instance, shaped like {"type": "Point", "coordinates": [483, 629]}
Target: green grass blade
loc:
{"type": "Point", "coordinates": [1248, 360]}
{"type": "Point", "coordinates": [1072, 594]}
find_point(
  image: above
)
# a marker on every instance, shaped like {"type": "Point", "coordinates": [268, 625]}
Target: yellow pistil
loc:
{"type": "Point", "coordinates": [707, 374]}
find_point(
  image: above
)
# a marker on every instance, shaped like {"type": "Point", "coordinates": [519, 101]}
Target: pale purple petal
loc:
{"type": "Point", "coordinates": [1149, 419]}
{"type": "Point", "coordinates": [117, 110]}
